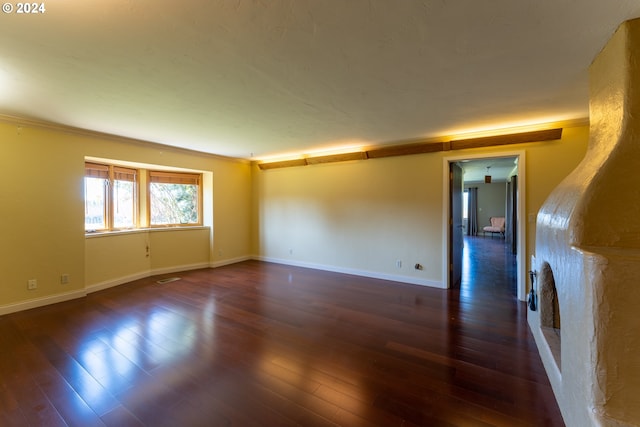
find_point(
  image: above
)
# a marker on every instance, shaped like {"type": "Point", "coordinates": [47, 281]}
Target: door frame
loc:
{"type": "Point", "coordinates": [456, 234]}
{"type": "Point", "coordinates": [521, 265]}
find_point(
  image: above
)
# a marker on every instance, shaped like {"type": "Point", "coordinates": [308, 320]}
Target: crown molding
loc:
{"type": "Point", "coordinates": [57, 127]}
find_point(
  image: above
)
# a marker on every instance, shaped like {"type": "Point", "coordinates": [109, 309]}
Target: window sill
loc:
{"type": "Point", "coordinates": [91, 235]}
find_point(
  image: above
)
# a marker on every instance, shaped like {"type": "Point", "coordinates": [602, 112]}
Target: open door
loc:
{"type": "Point", "coordinates": [456, 242]}
{"type": "Point", "coordinates": [452, 229]}
{"type": "Point", "coordinates": [511, 232]}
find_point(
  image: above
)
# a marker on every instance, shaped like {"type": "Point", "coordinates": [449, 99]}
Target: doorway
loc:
{"type": "Point", "coordinates": [515, 190]}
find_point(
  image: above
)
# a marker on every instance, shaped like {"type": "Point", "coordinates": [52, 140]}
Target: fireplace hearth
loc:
{"type": "Point", "coordinates": [587, 256]}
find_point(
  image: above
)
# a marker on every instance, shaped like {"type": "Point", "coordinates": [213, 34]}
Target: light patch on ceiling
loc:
{"type": "Point", "coordinates": [7, 84]}
{"type": "Point", "coordinates": [522, 126]}
{"type": "Point", "coordinates": [359, 146]}
{"type": "Point", "coordinates": [328, 150]}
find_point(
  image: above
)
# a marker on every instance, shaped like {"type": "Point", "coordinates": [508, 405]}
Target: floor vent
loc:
{"type": "Point", "coordinates": [167, 280]}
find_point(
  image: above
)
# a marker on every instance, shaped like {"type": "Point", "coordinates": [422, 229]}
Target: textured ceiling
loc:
{"type": "Point", "coordinates": [294, 76]}
{"type": "Point", "coordinates": [500, 169]}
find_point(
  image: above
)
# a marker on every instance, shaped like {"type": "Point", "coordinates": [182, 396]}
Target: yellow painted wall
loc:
{"type": "Point", "coordinates": [171, 249]}
{"type": "Point", "coordinates": [42, 213]}
{"type": "Point", "coordinates": [115, 258]}
{"type": "Point", "coordinates": [232, 213]}
{"type": "Point", "coordinates": [118, 257]}
{"type": "Point", "coordinates": [359, 216]}
{"type": "Point", "coordinates": [364, 216]}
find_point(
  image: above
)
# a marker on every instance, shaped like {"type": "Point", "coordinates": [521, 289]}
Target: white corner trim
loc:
{"type": "Point", "coordinates": [355, 272]}
{"type": "Point", "coordinates": [41, 302]}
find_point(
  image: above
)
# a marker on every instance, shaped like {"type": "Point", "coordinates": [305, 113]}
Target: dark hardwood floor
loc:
{"type": "Point", "coordinates": [259, 344]}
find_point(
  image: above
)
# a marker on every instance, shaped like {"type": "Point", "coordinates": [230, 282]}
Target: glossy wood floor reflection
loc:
{"type": "Point", "coordinates": [259, 344]}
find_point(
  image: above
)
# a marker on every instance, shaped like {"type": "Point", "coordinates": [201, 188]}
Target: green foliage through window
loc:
{"type": "Point", "coordinates": [173, 203]}
{"type": "Point", "coordinates": [174, 198]}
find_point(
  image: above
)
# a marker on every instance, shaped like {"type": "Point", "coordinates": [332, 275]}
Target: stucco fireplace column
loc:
{"type": "Point", "coordinates": [588, 237]}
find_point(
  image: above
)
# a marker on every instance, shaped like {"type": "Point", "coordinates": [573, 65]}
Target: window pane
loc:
{"type": "Point", "coordinates": [173, 203]}
{"type": "Point", "coordinates": [94, 203]}
{"type": "Point", "coordinates": [465, 205]}
{"type": "Point", "coordinates": [123, 204]}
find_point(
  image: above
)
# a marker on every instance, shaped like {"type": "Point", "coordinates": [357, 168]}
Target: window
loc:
{"type": "Point", "coordinates": [465, 204]}
{"type": "Point", "coordinates": [124, 197]}
{"type": "Point", "coordinates": [96, 179]}
{"type": "Point", "coordinates": [115, 197]}
{"type": "Point", "coordinates": [109, 197]}
{"type": "Point", "coordinates": [174, 198]}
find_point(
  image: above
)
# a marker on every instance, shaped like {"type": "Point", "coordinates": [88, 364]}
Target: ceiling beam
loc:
{"type": "Point", "coordinates": [283, 164]}
{"type": "Point", "coordinates": [405, 149]}
{"type": "Point", "coordinates": [422, 148]}
{"type": "Point", "coordinates": [343, 157]}
{"type": "Point", "coordinates": [514, 138]}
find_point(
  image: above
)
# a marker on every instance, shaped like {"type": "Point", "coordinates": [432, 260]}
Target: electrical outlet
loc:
{"type": "Point", "coordinates": [64, 279]}
{"type": "Point", "coordinates": [32, 284]}
{"type": "Point", "coordinates": [399, 264]}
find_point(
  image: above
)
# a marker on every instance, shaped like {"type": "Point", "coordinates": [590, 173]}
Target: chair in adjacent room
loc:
{"type": "Point", "coordinates": [497, 226]}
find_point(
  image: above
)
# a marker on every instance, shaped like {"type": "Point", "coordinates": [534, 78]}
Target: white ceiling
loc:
{"type": "Point", "coordinates": [500, 169]}
{"type": "Point", "coordinates": [295, 76]}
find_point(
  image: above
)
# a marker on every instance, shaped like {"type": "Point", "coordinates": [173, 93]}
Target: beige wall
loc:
{"type": "Point", "coordinates": [178, 249]}
{"type": "Point", "coordinates": [364, 216]}
{"type": "Point", "coordinates": [42, 214]}
{"type": "Point", "coordinates": [360, 216]}
{"type": "Point", "coordinates": [492, 201]}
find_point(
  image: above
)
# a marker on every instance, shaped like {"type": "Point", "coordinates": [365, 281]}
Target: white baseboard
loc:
{"type": "Point", "coordinates": [178, 268]}
{"type": "Point", "coordinates": [230, 261]}
{"type": "Point", "coordinates": [141, 275]}
{"type": "Point", "coordinates": [548, 361]}
{"type": "Point", "coordinates": [168, 270]}
{"type": "Point", "coordinates": [356, 272]}
{"type": "Point", "coordinates": [41, 302]}
{"type": "Point", "coordinates": [115, 282]}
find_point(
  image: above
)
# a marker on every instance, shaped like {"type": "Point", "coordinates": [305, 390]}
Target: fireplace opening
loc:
{"type": "Point", "coordinates": [549, 311]}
